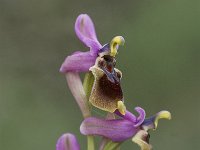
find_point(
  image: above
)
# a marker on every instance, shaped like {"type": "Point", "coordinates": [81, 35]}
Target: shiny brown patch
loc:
{"type": "Point", "coordinates": [110, 89]}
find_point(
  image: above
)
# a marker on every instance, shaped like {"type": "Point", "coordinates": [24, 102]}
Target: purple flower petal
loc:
{"type": "Point", "coordinates": [137, 121]}
{"type": "Point", "coordinates": [117, 130]}
{"type": "Point", "coordinates": [78, 62]}
{"type": "Point", "coordinates": [67, 142]}
{"type": "Point", "coordinates": [141, 117]}
{"type": "Point", "coordinates": [85, 31]}
{"type": "Point", "coordinates": [128, 116]}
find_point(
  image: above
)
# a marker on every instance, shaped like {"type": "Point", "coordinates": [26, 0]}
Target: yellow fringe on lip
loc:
{"type": "Point", "coordinates": [116, 41]}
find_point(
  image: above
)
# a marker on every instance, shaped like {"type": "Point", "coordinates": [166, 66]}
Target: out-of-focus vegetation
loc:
{"type": "Point", "coordinates": [160, 63]}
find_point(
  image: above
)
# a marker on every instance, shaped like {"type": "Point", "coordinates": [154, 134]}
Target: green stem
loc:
{"type": "Point", "coordinates": [112, 145]}
{"type": "Point", "coordinates": [90, 142]}
{"type": "Point", "coordinates": [87, 85]}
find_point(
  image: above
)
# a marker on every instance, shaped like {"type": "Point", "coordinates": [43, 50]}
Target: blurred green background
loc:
{"type": "Point", "coordinates": [160, 63]}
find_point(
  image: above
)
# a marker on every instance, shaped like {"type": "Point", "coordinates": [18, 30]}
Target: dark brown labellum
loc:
{"type": "Point", "coordinates": [106, 91]}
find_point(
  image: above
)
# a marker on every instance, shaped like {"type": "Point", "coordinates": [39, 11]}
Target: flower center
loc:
{"type": "Point", "coordinates": [107, 64]}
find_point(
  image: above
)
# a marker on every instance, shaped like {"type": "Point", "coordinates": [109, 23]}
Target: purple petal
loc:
{"type": "Point", "coordinates": [85, 31]}
{"type": "Point", "coordinates": [78, 62]}
{"type": "Point", "coordinates": [128, 116]}
{"type": "Point", "coordinates": [67, 142]}
{"type": "Point", "coordinates": [141, 117]}
{"type": "Point", "coordinates": [117, 130]}
{"type": "Point", "coordinates": [137, 121]}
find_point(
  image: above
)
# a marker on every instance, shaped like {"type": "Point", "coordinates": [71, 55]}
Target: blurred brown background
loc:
{"type": "Point", "coordinates": [160, 64]}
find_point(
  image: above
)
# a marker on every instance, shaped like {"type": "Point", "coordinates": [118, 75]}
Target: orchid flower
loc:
{"type": "Point", "coordinates": [102, 89]}
{"type": "Point", "coordinates": [130, 126]}
{"type": "Point", "coordinates": [105, 92]}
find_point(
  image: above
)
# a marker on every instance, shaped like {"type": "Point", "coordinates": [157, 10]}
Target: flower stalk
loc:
{"type": "Point", "coordinates": [110, 145]}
